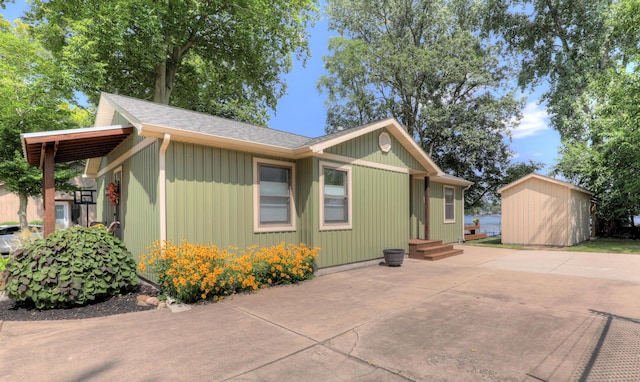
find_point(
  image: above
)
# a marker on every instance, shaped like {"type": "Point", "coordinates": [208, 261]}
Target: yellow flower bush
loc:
{"type": "Point", "coordinates": [192, 272]}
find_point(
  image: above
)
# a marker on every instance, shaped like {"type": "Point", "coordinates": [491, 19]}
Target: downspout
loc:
{"type": "Point", "coordinates": [427, 214]}
{"type": "Point", "coordinates": [162, 188]}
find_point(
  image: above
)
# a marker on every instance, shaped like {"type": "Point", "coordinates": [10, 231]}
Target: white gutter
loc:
{"type": "Point", "coordinates": [162, 188]}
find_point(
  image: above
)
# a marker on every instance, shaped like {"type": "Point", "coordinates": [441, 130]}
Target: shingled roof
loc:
{"type": "Point", "coordinates": [155, 120]}
{"type": "Point", "coordinates": [140, 112]}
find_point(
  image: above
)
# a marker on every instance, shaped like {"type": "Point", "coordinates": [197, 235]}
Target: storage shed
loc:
{"type": "Point", "coordinates": [538, 210]}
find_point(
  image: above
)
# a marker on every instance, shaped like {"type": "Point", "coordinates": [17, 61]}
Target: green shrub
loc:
{"type": "Point", "coordinates": [3, 263]}
{"type": "Point", "coordinates": [70, 267]}
{"type": "Point", "coordinates": [36, 222]}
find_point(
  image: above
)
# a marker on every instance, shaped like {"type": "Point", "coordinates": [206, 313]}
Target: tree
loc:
{"type": "Point", "coordinates": [607, 162]}
{"type": "Point", "coordinates": [424, 63]}
{"type": "Point", "coordinates": [561, 43]}
{"type": "Point", "coordinates": [219, 57]}
{"type": "Point", "coordinates": [34, 96]}
{"type": "Point", "coordinates": [587, 52]}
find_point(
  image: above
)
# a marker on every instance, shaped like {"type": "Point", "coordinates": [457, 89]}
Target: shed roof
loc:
{"type": "Point", "coordinates": [75, 144]}
{"type": "Point", "coordinates": [546, 179]}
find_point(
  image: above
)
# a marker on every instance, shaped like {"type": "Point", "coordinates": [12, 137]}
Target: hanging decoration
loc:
{"type": "Point", "coordinates": [113, 193]}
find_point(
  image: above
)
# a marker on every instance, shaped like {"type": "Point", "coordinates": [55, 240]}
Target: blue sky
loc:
{"type": "Point", "coordinates": [302, 111]}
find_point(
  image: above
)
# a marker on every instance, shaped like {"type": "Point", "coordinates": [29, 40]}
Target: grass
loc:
{"type": "Point", "coordinates": [608, 245]}
{"type": "Point", "coordinates": [494, 242]}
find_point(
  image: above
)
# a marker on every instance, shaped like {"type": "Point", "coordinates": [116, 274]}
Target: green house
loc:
{"type": "Point", "coordinates": [186, 175]}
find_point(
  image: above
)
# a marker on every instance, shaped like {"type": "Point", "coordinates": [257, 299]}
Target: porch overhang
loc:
{"type": "Point", "coordinates": [75, 144]}
{"type": "Point", "coordinates": [44, 149]}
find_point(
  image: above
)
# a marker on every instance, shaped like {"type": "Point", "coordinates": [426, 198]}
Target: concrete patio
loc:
{"type": "Point", "coordinates": [486, 315]}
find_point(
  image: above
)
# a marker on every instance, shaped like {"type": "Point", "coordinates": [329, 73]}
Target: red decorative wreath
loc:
{"type": "Point", "coordinates": [113, 193]}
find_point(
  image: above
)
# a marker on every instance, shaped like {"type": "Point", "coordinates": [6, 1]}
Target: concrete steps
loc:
{"type": "Point", "coordinates": [431, 250]}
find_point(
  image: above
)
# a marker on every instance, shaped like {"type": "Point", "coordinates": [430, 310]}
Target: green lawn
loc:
{"type": "Point", "coordinates": [608, 245]}
{"type": "Point", "coordinates": [598, 245]}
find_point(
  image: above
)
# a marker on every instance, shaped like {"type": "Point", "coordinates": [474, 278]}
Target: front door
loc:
{"type": "Point", "coordinates": [418, 221]}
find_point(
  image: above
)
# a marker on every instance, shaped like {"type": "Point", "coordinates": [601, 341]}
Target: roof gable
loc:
{"type": "Point", "coordinates": [320, 144]}
{"type": "Point", "coordinates": [545, 179]}
{"type": "Point", "coordinates": [368, 147]}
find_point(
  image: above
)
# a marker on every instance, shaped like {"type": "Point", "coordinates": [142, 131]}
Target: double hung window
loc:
{"type": "Point", "coordinates": [449, 204]}
{"type": "Point", "coordinates": [335, 196]}
{"type": "Point", "coordinates": [274, 196]}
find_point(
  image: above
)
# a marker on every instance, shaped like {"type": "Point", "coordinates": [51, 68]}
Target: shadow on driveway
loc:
{"type": "Point", "coordinates": [614, 355]}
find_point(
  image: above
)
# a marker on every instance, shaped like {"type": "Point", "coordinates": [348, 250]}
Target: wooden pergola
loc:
{"type": "Point", "coordinates": [44, 149]}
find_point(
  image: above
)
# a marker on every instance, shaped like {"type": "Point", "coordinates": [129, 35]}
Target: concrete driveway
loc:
{"type": "Point", "coordinates": [487, 315]}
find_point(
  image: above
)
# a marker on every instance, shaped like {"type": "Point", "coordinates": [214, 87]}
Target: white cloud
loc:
{"type": "Point", "coordinates": [534, 120]}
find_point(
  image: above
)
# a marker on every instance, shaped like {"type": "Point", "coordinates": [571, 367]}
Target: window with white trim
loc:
{"type": "Point", "coordinates": [274, 208]}
{"type": "Point", "coordinates": [63, 211]}
{"type": "Point", "coordinates": [449, 204]}
{"type": "Point", "coordinates": [335, 196]}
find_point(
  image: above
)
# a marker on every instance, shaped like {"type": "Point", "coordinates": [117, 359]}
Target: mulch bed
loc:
{"type": "Point", "coordinates": [124, 303]}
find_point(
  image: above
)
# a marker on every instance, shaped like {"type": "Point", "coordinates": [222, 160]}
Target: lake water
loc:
{"type": "Point", "coordinates": [489, 224]}
{"type": "Point", "coordinates": [492, 224]}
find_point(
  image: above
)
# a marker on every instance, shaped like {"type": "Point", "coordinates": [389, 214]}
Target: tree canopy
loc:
{"type": "Point", "coordinates": [586, 51]}
{"type": "Point", "coordinates": [35, 95]}
{"type": "Point", "coordinates": [559, 43]}
{"type": "Point", "coordinates": [220, 57]}
{"type": "Point", "coordinates": [426, 64]}
{"type": "Point", "coordinates": [607, 161]}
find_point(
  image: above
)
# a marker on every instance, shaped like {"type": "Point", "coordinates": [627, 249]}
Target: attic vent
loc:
{"type": "Point", "coordinates": [384, 141]}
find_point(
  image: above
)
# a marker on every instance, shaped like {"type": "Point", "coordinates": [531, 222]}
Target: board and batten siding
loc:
{"type": "Point", "coordinates": [210, 198]}
{"type": "Point", "coordinates": [367, 148]}
{"type": "Point", "coordinates": [541, 212]}
{"type": "Point", "coordinates": [306, 193]}
{"type": "Point", "coordinates": [141, 211]}
{"type": "Point", "coordinates": [439, 230]}
{"type": "Point", "coordinates": [138, 201]}
{"type": "Point", "coordinates": [380, 209]}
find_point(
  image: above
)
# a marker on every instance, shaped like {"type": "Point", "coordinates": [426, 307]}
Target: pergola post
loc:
{"type": "Point", "coordinates": [48, 189]}
{"type": "Point", "coordinates": [43, 149]}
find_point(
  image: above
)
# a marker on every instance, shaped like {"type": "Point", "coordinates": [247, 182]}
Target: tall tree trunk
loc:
{"type": "Point", "coordinates": [22, 209]}
{"type": "Point", "coordinates": [166, 73]}
{"type": "Point", "coordinates": [163, 88]}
